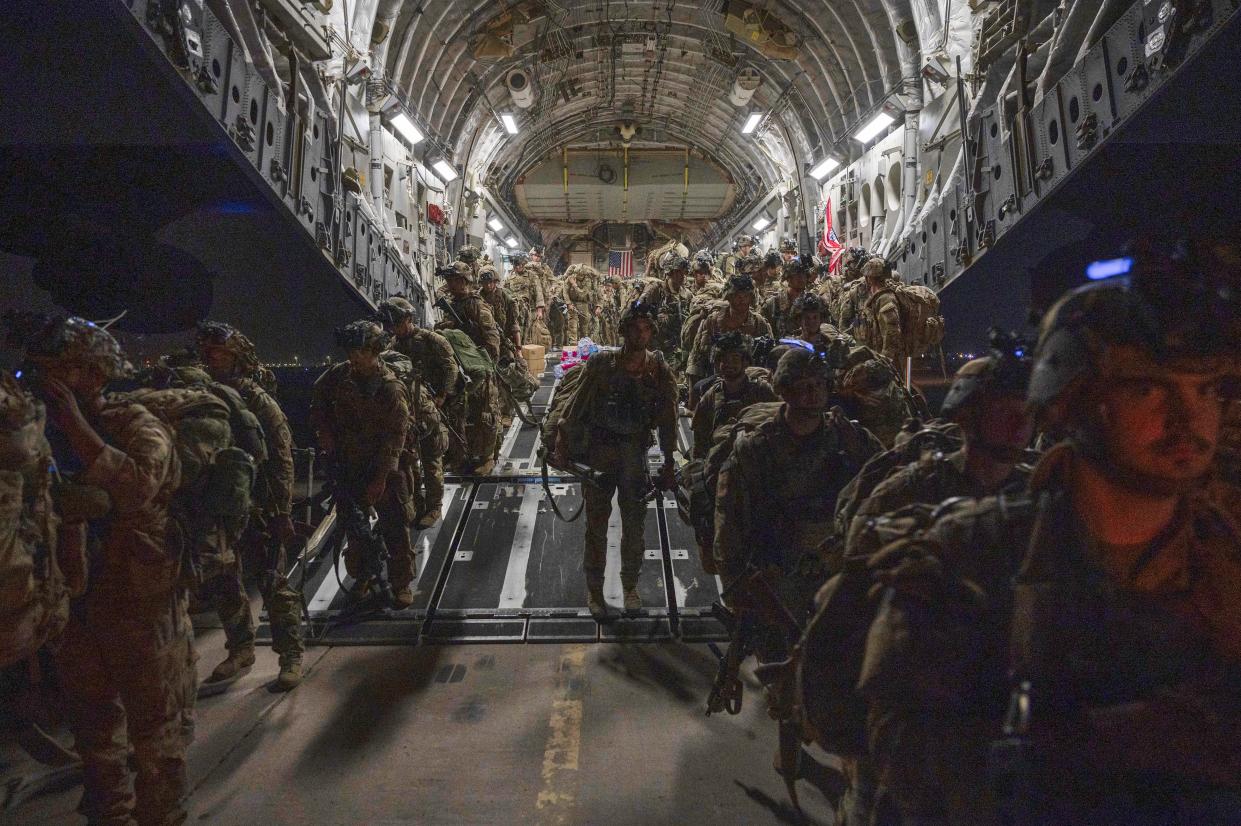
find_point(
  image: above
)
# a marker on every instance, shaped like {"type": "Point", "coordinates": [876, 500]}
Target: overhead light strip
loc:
{"type": "Point", "coordinates": [752, 122]}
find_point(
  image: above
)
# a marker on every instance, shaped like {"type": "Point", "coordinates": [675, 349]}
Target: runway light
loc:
{"type": "Point", "coordinates": [496, 224]}
{"type": "Point", "coordinates": [444, 170]}
{"type": "Point", "coordinates": [825, 166]}
{"type": "Point", "coordinates": [402, 124]}
{"type": "Point", "coordinates": [510, 125]}
{"type": "Point", "coordinates": [752, 123]}
{"type": "Point", "coordinates": [762, 223]}
{"type": "Point", "coordinates": [511, 242]}
{"type": "Point", "coordinates": [868, 132]}
{"type": "Point", "coordinates": [1099, 270]}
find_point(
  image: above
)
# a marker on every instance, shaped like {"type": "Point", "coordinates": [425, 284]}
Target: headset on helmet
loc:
{"type": "Point", "coordinates": [739, 284]}
{"type": "Point", "coordinates": [773, 259]}
{"type": "Point", "coordinates": [638, 310]}
{"type": "Point", "coordinates": [362, 335]}
{"type": "Point", "coordinates": [59, 339]}
{"type": "Point", "coordinates": [787, 244]}
{"type": "Point", "coordinates": [809, 302]}
{"type": "Point", "coordinates": [393, 310]}
{"type": "Point", "coordinates": [1004, 371]}
{"type": "Point", "coordinates": [798, 363]}
{"type": "Point", "coordinates": [733, 341]}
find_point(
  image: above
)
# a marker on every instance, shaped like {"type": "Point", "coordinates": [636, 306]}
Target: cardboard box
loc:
{"type": "Point", "coordinates": [536, 358]}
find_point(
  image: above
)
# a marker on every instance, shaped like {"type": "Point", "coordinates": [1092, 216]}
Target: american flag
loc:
{"type": "Point", "coordinates": [829, 243]}
{"type": "Point", "coordinates": [620, 262]}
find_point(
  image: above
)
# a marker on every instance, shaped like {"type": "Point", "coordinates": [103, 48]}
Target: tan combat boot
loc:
{"type": "Point", "coordinates": [596, 605]}
{"type": "Point", "coordinates": [290, 672]}
{"type": "Point", "coordinates": [237, 663]}
{"type": "Point", "coordinates": [633, 602]}
{"type": "Point", "coordinates": [429, 519]}
{"type": "Point", "coordinates": [403, 598]}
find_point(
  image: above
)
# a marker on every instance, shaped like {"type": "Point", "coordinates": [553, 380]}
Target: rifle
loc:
{"type": "Point", "coordinates": [355, 521]}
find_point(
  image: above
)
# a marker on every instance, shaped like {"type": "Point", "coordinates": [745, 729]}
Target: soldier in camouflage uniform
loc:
{"type": "Point", "coordinates": [230, 358]}
{"type": "Point", "coordinates": [743, 248]}
{"type": "Point", "coordinates": [737, 316]}
{"type": "Point", "coordinates": [360, 414]}
{"type": "Point", "coordinates": [527, 289]}
{"type": "Point", "coordinates": [732, 391]}
{"type": "Point", "coordinates": [987, 400]}
{"type": "Point", "coordinates": [623, 396]}
{"type": "Point", "coordinates": [767, 278]}
{"type": "Point", "coordinates": [788, 250]}
{"type": "Point", "coordinates": [778, 309]}
{"type": "Point", "coordinates": [846, 294]}
{"type": "Point", "coordinates": [435, 379]}
{"type": "Point", "coordinates": [126, 658]}
{"type": "Point", "coordinates": [505, 311]}
{"type": "Point", "coordinates": [777, 490]}
{"type": "Point", "coordinates": [581, 293]}
{"type": "Point", "coordinates": [472, 256]}
{"type": "Point", "coordinates": [475, 413]}
{"type": "Point", "coordinates": [707, 283]}
{"type": "Point", "coordinates": [671, 300]}
{"type": "Point", "coordinates": [609, 316]}
{"type": "Point", "coordinates": [1094, 618]}
{"type": "Point", "coordinates": [881, 314]}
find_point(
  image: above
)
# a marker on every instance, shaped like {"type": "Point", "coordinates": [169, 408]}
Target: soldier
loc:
{"type": "Point", "coordinates": [435, 377]}
{"type": "Point", "coordinates": [126, 658]}
{"type": "Point", "coordinates": [474, 413]}
{"type": "Point", "coordinates": [987, 400]}
{"type": "Point", "coordinates": [622, 396]}
{"type": "Point", "coordinates": [778, 310]}
{"type": "Point", "coordinates": [788, 250]}
{"type": "Point", "coordinates": [737, 316]}
{"type": "Point", "coordinates": [707, 284]}
{"type": "Point", "coordinates": [777, 490]}
{"type": "Point", "coordinates": [472, 256]}
{"type": "Point", "coordinates": [1101, 607]}
{"type": "Point", "coordinates": [527, 290]}
{"type": "Point", "coordinates": [766, 280]}
{"type": "Point", "coordinates": [230, 359]}
{"type": "Point", "coordinates": [846, 295]}
{"type": "Point", "coordinates": [743, 247]}
{"type": "Point", "coordinates": [810, 313]}
{"type": "Point", "coordinates": [609, 316]}
{"type": "Point", "coordinates": [505, 311]}
{"type": "Point", "coordinates": [881, 314]}
{"type": "Point", "coordinates": [671, 300]}
{"type": "Point", "coordinates": [581, 292]}
{"type": "Point", "coordinates": [731, 391]}
{"type": "Point", "coordinates": [360, 414]}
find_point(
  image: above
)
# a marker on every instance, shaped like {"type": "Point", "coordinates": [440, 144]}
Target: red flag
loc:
{"type": "Point", "coordinates": [829, 243]}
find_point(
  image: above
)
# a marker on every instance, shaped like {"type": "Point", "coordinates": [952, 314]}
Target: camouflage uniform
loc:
{"type": "Point", "coordinates": [273, 497]}
{"type": "Point", "coordinates": [527, 290]}
{"type": "Point", "coordinates": [475, 413]}
{"type": "Point", "coordinates": [672, 307]}
{"type": "Point", "coordinates": [621, 410]}
{"type": "Point", "coordinates": [881, 325]}
{"type": "Point", "coordinates": [718, 322]}
{"type": "Point", "coordinates": [609, 318]}
{"type": "Point", "coordinates": [776, 494]}
{"type": "Point", "coordinates": [778, 311]}
{"type": "Point", "coordinates": [718, 407]}
{"type": "Point", "coordinates": [126, 659]}
{"type": "Point", "coordinates": [581, 293]}
{"type": "Point", "coordinates": [368, 421]}
{"type": "Point", "coordinates": [435, 371]}
{"type": "Point", "coordinates": [504, 310]}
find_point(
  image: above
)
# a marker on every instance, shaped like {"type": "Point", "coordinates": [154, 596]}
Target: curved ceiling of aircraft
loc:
{"type": "Point", "coordinates": [665, 67]}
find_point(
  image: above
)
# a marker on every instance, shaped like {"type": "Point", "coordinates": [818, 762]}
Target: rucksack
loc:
{"type": "Point", "coordinates": [922, 327]}
{"type": "Point", "coordinates": [517, 379]}
{"type": "Point", "coordinates": [566, 390]}
{"type": "Point", "coordinates": [212, 503]}
{"type": "Point", "coordinates": [911, 443]}
{"type": "Point", "coordinates": [830, 654]}
{"type": "Point", "coordinates": [700, 478]}
{"type": "Point", "coordinates": [472, 359]}
{"type": "Point", "coordinates": [698, 313]}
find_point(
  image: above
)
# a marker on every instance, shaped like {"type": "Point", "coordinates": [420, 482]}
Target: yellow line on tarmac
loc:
{"type": "Point", "coordinates": [564, 740]}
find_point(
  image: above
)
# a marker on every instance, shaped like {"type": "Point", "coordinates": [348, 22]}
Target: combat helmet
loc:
{"type": "Point", "coordinates": [470, 254]}
{"type": "Point", "coordinates": [851, 261]}
{"type": "Point", "coordinates": [392, 310]}
{"type": "Point", "coordinates": [802, 265]}
{"type": "Point", "coordinates": [751, 263]}
{"type": "Point", "coordinates": [49, 340]}
{"type": "Point", "coordinates": [1178, 304]}
{"type": "Point", "coordinates": [799, 363]}
{"type": "Point", "coordinates": [773, 259]}
{"type": "Point", "coordinates": [487, 272]}
{"type": "Point", "coordinates": [672, 261]}
{"type": "Point", "coordinates": [1005, 371]}
{"type": "Point", "coordinates": [809, 302]}
{"type": "Point", "coordinates": [733, 341]}
{"type": "Point", "coordinates": [875, 266]}
{"type": "Point", "coordinates": [457, 269]}
{"type": "Point", "coordinates": [787, 244]}
{"type": "Point", "coordinates": [739, 284]}
{"type": "Point", "coordinates": [704, 260]}
{"type": "Point", "coordinates": [362, 335]}
{"type": "Point", "coordinates": [637, 310]}
{"type": "Point", "coordinates": [744, 240]}
{"type": "Point", "coordinates": [218, 335]}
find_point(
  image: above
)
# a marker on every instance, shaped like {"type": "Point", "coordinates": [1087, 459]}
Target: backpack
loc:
{"type": "Point", "coordinates": [913, 440]}
{"type": "Point", "coordinates": [516, 377]}
{"type": "Point", "coordinates": [472, 359]}
{"type": "Point", "coordinates": [699, 478]}
{"type": "Point", "coordinates": [698, 313]}
{"type": "Point", "coordinates": [212, 503]}
{"type": "Point", "coordinates": [922, 327]}
{"type": "Point", "coordinates": [831, 651]}
{"type": "Point", "coordinates": [566, 390]}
